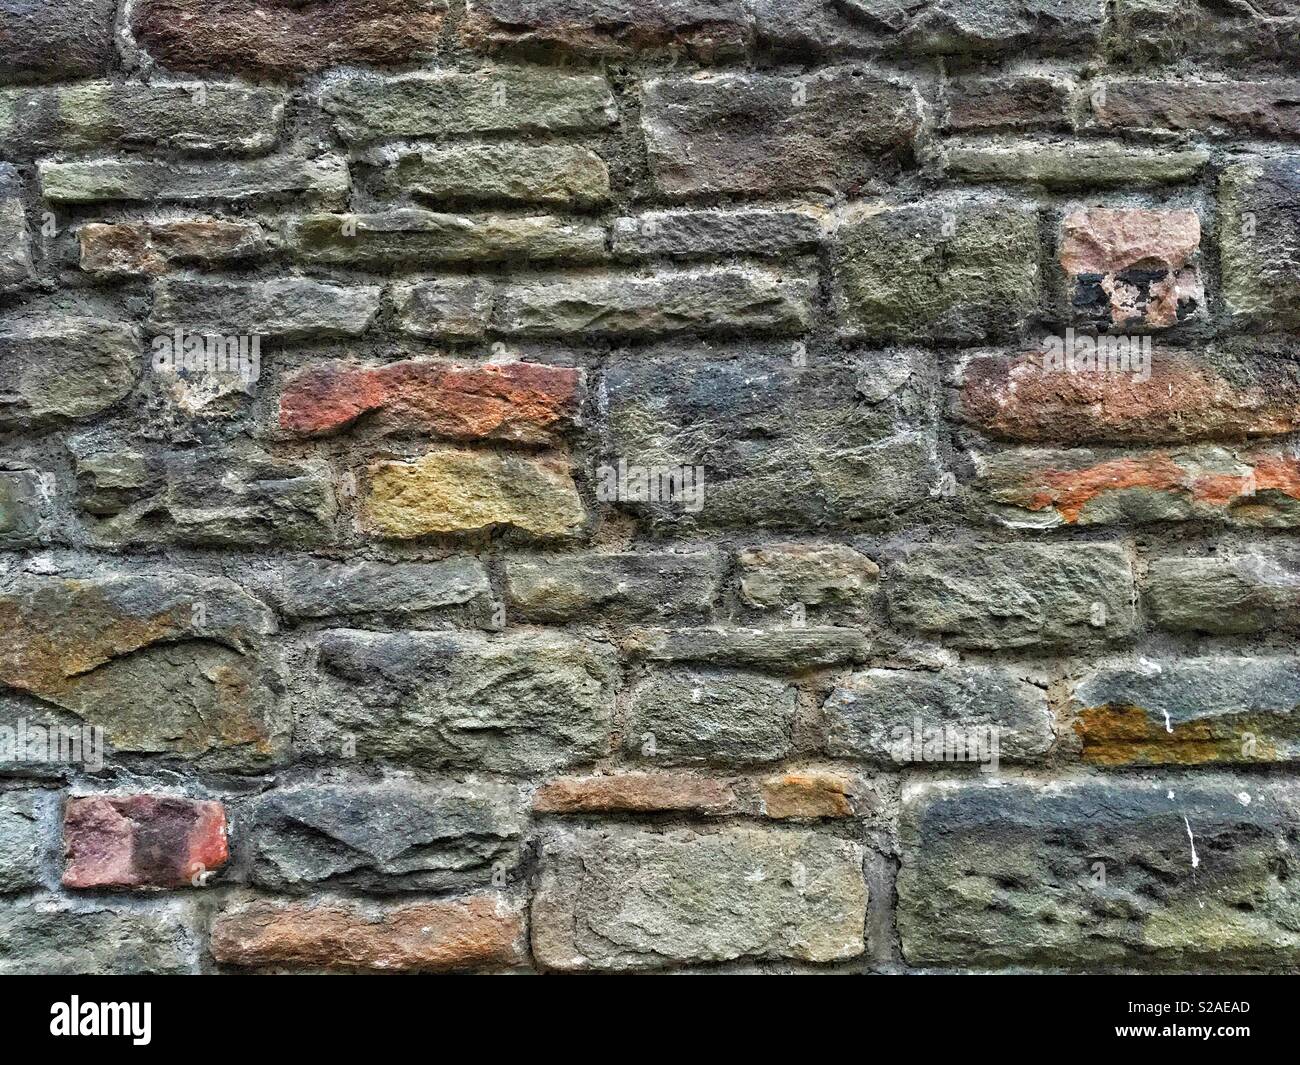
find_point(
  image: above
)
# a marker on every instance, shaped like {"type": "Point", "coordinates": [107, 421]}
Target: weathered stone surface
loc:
{"type": "Point", "coordinates": [812, 575]}
{"type": "Point", "coordinates": [101, 114]}
{"type": "Point", "coordinates": [769, 233]}
{"type": "Point", "coordinates": [368, 108]}
{"type": "Point", "coordinates": [54, 368]}
{"type": "Point", "coordinates": [1259, 240]}
{"type": "Point", "coordinates": [162, 664]}
{"type": "Point", "coordinates": [15, 241]}
{"type": "Point", "coordinates": [1005, 102]}
{"type": "Point", "coordinates": [215, 494]}
{"type": "Point", "coordinates": [477, 932]}
{"type": "Point", "coordinates": [719, 299]}
{"type": "Point", "coordinates": [1225, 108]}
{"type": "Point", "coordinates": [1187, 395]}
{"type": "Point", "coordinates": [969, 27]}
{"type": "Point", "coordinates": [23, 494]}
{"type": "Point", "coordinates": [1005, 595]}
{"type": "Point", "coordinates": [55, 39]}
{"type": "Point", "coordinates": [142, 841]}
{"type": "Point", "coordinates": [454, 491]}
{"type": "Point", "coordinates": [617, 587]}
{"type": "Point", "coordinates": [1132, 267]}
{"type": "Point", "coordinates": [613, 900]}
{"type": "Point", "coordinates": [151, 248]}
{"type": "Point", "coordinates": [283, 40]}
{"type": "Point", "coordinates": [1190, 711]}
{"type": "Point", "coordinates": [286, 307]}
{"type": "Point", "coordinates": [721, 132]}
{"type": "Point", "coordinates": [806, 794]}
{"type": "Point", "coordinates": [1164, 31]}
{"type": "Point", "coordinates": [937, 271]}
{"type": "Point", "coordinates": [22, 840]}
{"type": "Point", "coordinates": [523, 402]}
{"type": "Point", "coordinates": [1221, 594]}
{"type": "Point", "coordinates": [514, 704]}
{"type": "Point", "coordinates": [395, 836]}
{"type": "Point", "coordinates": [316, 589]}
{"type": "Point", "coordinates": [323, 179]}
{"type": "Point", "coordinates": [683, 716]}
{"type": "Point", "coordinates": [1077, 164]}
{"type": "Point", "coordinates": [559, 175]}
{"type": "Point", "coordinates": [781, 445]}
{"type": "Point", "coordinates": [636, 793]}
{"type": "Point", "coordinates": [1035, 488]}
{"type": "Point", "coordinates": [705, 29]}
{"type": "Point", "coordinates": [411, 235]}
{"type": "Point", "coordinates": [1198, 874]}
{"type": "Point", "coordinates": [49, 936]}
{"type": "Point", "coordinates": [889, 715]}
{"type": "Point", "coordinates": [788, 650]}
{"type": "Point", "coordinates": [449, 308]}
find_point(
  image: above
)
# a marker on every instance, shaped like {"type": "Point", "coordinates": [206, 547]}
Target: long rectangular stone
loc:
{"type": "Point", "coordinates": [15, 241]}
{"type": "Point", "coordinates": [1226, 108]}
{"type": "Point", "coordinates": [558, 175]}
{"type": "Point", "coordinates": [55, 40]}
{"type": "Point", "coordinates": [623, 586]}
{"type": "Point", "coordinates": [49, 936]}
{"type": "Point", "coordinates": [769, 233]}
{"type": "Point", "coordinates": [287, 307]}
{"type": "Point", "coordinates": [1183, 873]}
{"type": "Point", "coordinates": [1255, 589]}
{"type": "Point", "coordinates": [606, 899]}
{"type": "Point", "coordinates": [1078, 164]}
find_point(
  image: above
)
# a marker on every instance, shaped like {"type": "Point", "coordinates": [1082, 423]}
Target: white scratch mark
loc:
{"type": "Point", "coordinates": [1168, 726]}
{"type": "Point", "coordinates": [1192, 840]}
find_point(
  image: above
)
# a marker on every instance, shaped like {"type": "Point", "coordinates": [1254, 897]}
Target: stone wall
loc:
{"type": "Point", "coordinates": [594, 485]}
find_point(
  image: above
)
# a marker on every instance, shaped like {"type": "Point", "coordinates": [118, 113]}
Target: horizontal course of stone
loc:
{"type": "Point", "coordinates": [692, 485]}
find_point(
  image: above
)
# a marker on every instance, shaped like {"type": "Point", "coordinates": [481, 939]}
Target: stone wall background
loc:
{"type": "Point", "coordinates": [391, 679]}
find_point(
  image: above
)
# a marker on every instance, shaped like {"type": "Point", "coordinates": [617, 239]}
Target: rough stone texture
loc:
{"type": "Point", "coordinates": [457, 491]}
{"type": "Point", "coordinates": [1225, 108]}
{"type": "Point", "coordinates": [717, 234]}
{"type": "Point", "coordinates": [1158, 31]}
{"type": "Point", "coordinates": [287, 308]}
{"type": "Point", "coordinates": [1080, 164]}
{"type": "Point", "coordinates": [612, 901]}
{"type": "Point", "coordinates": [192, 118]}
{"type": "Point", "coordinates": [142, 841]}
{"type": "Point", "coordinates": [391, 837]}
{"type": "Point", "coordinates": [1197, 874]}
{"type": "Point", "coordinates": [683, 716]}
{"type": "Point", "coordinates": [1038, 488]}
{"type": "Point", "coordinates": [1019, 102]}
{"type": "Point", "coordinates": [315, 589]}
{"type": "Point", "coordinates": [619, 587]}
{"type": "Point", "coordinates": [55, 39]}
{"type": "Point", "coordinates": [164, 665]}
{"type": "Point", "coordinates": [806, 795]}
{"type": "Point", "coordinates": [1201, 394]}
{"type": "Point", "coordinates": [49, 937]}
{"type": "Point", "coordinates": [322, 179]}
{"type": "Point", "coordinates": [480, 932]}
{"type": "Point", "coordinates": [1251, 592]}
{"type": "Point", "coordinates": [555, 175]}
{"type": "Point", "coordinates": [994, 596]}
{"type": "Point", "coordinates": [1189, 711]}
{"type": "Point", "coordinates": [721, 132]}
{"type": "Point", "coordinates": [1132, 268]}
{"type": "Point", "coordinates": [963, 27]}
{"type": "Point", "coordinates": [15, 241]}
{"type": "Point", "coordinates": [892, 714]}
{"type": "Point", "coordinates": [791, 650]}
{"type": "Point", "coordinates": [445, 309]}
{"type": "Point", "coordinates": [367, 108]}
{"type": "Point", "coordinates": [1260, 242]}
{"type": "Point", "coordinates": [514, 704]}
{"type": "Point", "coordinates": [639, 793]}
{"type": "Point", "coordinates": [521, 402]}
{"type": "Point", "coordinates": [23, 495]}
{"type": "Point", "coordinates": [56, 368]}
{"type": "Point", "coordinates": [784, 575]}
{"type": "Point", "coordinates": [149, 248]}
{"type": "Point", "coordinates": [937, 271]}
{"type": "Point", "coordinates": [22, 844]}
{"type": "Point", "coordinates": [287, 39]}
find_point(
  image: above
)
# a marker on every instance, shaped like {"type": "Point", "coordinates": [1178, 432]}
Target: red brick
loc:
{"type": "Point", "coordinates": [1186, 398]}
{"type": "Point", "coordinates": [473, 933]}
{"type": "Point", "coordinates": [635, 793]}
{"type": "Point", "coordinates": [139, 841]}
{"type": "Point", "coordinates": [519, 401]}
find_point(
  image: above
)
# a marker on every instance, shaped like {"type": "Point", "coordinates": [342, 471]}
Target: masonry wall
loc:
{"type": "Point", "coordinates": [658, 500]}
